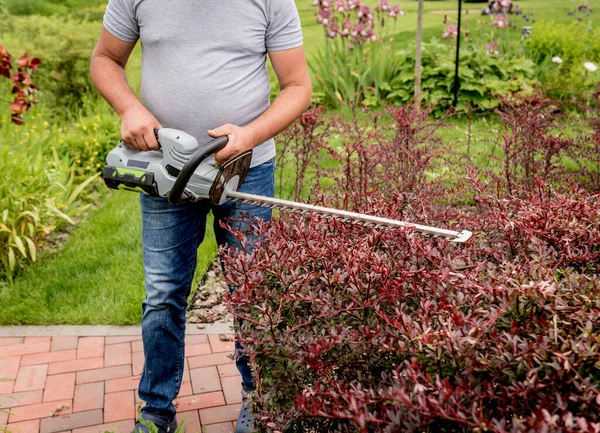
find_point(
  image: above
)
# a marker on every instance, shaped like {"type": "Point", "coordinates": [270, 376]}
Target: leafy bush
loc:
{"type": "Point", "coordinates": [389, 76]}
{"type": "Point", "coordinates": [358, 55]}
{"type": "Point", "coordinates": [38, 194]}
{"type": "Point", "coordinates": [560, 53]}
{"type": "Point", "coordinates": [299, 147]}
{"type": "Point", "coordinates": [353, 329]}
{"type": "Point", "coordinates": [590, 160]}
{"type": "Point", "coordinates": [533, 146]}
{"type": "Point", "coordinates": [89, 138]}
{"type": "Point", "coordinates": [47, 7]}
{"type": "Point", "coordinates": [397, 150]}
{"type": "Point", "coordinates": [23, 88]}
{"type": "Point", "coordinates": [64, 46]}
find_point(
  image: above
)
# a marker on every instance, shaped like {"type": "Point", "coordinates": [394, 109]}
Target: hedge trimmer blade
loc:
{"type": "Point", "coordinates": [346, 216]}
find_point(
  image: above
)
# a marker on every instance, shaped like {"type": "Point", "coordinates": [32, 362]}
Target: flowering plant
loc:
{"type": "Point", "coordinates": [358, 61]}
{"type": "Point", "coordinates": [23, 88]}
{"type": "Point", "coordinates": [354, 20]}
{"type": "Point", "coordinates": [450, 32]}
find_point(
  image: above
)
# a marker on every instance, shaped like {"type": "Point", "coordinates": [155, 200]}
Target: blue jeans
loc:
{"type": "Point", "coordinates": [170, 237]}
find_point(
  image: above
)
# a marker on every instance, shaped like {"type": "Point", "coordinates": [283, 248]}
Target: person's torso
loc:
{"type": "Point", "coordinates": [203, 64]}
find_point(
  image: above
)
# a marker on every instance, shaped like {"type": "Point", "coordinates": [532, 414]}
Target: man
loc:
{"type": "Point", "coordinates": [203, 72]}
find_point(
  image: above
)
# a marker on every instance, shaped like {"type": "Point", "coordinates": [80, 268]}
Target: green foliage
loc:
{"type": "Point", "coordinates": [361, 75]}
{"type": "Point", "coordinates": [152, 427]}
{"type": "Point", "coordinates": [376, 75]}
{"type": "Point", "coordinates": [38, 194]}
{"type": "Point", "coordinates": [97, 277]}
{"type": "Point", "coordinates": [64, 45]}
{"type": "Point", "coordinates": [483, 77]}
{"type": "Point", "coordinates": [45, 170]}
{"type": "Point", "coordinates": [89, 138]}
{"type": "Point", "coordinates": [47, 7]}
{"type": "Point", "coordinates": [575, 44]}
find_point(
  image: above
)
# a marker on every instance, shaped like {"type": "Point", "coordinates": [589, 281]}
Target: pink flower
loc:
{"type": "Point", "coordinates": [492, 48]}
{"type": "Point", "coordinates": [500, 21]}
{"type": "Point", "coordinates": [451, 31]}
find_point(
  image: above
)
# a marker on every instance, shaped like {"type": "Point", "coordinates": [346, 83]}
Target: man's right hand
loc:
{"type": "Point", "coordinates": [137, 129]}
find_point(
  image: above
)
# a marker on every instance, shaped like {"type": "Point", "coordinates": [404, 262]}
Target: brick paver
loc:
{"type": "Point", "coordinates": [21, 399]}
{"type": "Point", "coordinates": [221, 343]}
{"type": "Point", "coordinates": [206, 360]}
{"type": "Point", "coordinates": [63, 423]}
{"type": "Point", "coordinates": [119, 406]}
{"type": "Point", "coordinates": [64, 343]}
{"type": "Point", "coordinates": [11, 340]}
{"type": "Point", "coordinates": [31, 377]}
{"type": "Point", "coordinates": [219, 414]}
{"type": "Point", "coordinates": [231, 389]}
{"type": "Point", "coordinates": [205, 379]}
{"type": "Point", "coordinates": [25, 348]}
{"type": "Point", "coordinates": [117, 354]}
{"type": "Point", "coordinates": [222, 427]}
{"type": "Point", "coordinates": [32, 426]}
{"type": "Point", "coordinates": [47, 358]}
{"type": "Point", "coordinates": [90, 347]}
{"type": "Point", "coordinates": [77, 365]}
{"type": "Point", "coordinates": [192, 421]}
{"type": "Point", "coordinates": [41, 410]}
{"type": "Point", "coordinates": [89, 396]}
{"type": "Point", "coordinates": [59, 387]}
{"type": "Point", "coordinates": [3, 418]}
{"type": "Point", "coordinates": [103, 374]}
{"type": "Point", "coordinates": [94, 380]}
{"type": "Point", "coordinates": [9, 367]}
{"type": "Point", "coordinates": [137, 359]}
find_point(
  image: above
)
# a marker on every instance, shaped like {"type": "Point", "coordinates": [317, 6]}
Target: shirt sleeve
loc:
{"type": "Point", "coordinates": [284, 30]}
{"type": "Point", "coordinates": [120, 20]}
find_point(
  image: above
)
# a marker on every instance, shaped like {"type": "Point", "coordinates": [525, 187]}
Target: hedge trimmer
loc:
{"type": "Point", "coordinates": [179, 172]}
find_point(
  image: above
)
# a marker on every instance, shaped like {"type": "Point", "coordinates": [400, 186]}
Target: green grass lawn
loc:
{"type": "Point", "coordinates": [97, 277]}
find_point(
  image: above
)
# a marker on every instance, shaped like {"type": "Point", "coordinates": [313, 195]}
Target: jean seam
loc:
{"type": "Point", "coordinates": [190, 280]}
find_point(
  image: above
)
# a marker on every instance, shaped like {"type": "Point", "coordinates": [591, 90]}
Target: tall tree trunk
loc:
{"type": "Point", "coordinates": [418, 55]}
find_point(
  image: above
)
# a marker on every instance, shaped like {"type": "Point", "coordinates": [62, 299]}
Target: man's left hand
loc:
{"type": "Point", "coordinates": [240, 140]}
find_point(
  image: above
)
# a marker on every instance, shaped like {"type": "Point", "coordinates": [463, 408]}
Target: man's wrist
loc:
{"type": "Point", "coordinates": [127, 109]}
{"type": "Point", "coordinates": [252, 137]}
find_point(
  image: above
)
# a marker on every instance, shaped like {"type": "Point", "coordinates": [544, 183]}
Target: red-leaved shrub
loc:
{"type": "Point", "coordinates": [531, 142]}
{"type": "Point", "coordinates": [23, 88]}
{"type": "Point", "coordinates": [356, 329]}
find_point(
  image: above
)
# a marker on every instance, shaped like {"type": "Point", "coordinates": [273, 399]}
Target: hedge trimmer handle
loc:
{"type": "Point", "coordinates": [192, 164]}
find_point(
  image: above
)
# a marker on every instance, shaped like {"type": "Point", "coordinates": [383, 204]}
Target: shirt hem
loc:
{"type": "Point", "coordinates": [283, 47]}
{"type": "Point", "coordinates": [269, 155]}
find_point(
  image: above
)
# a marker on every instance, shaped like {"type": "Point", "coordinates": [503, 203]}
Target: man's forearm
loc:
{"type": "Point", "coordinates": [110, 80]}
{"type": "Point", "coordinates": [291, 102]}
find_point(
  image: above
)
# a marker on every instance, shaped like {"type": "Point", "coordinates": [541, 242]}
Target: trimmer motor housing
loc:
{"type": "Point", "coordinates": [176, 171]}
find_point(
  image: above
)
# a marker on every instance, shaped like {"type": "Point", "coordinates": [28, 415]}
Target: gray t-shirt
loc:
{"type": "Point", "coordinates": [204, 61]}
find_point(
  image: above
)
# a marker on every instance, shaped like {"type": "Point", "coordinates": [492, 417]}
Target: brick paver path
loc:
{"type": "Point", "coordinates": [88, 384]}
